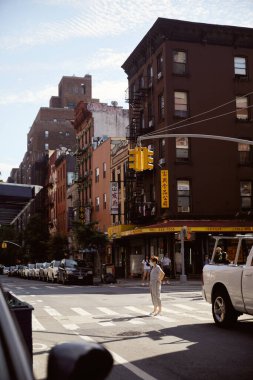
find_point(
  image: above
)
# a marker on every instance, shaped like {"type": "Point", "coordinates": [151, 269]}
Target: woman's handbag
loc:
{"type": "Point", "coordinates": [161, 275]}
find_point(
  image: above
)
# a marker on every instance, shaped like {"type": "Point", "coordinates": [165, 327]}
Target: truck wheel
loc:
{"type": "Point", "coordinates": [224, 314]}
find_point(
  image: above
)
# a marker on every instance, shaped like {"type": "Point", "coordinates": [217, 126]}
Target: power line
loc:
{"type": "Point", "coordinates": [198, 115]}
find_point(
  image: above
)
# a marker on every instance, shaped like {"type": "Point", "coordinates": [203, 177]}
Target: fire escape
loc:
{"type": "Point", "coordinates": [140, 207]}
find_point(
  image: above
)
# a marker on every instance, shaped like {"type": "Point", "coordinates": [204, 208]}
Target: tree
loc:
{"type": "Point", "coordinates": [11, 254]}
{"type": "Point", "coordinates": [87, 235]}
{"type": "Point", "coordinates": [57, 247]}
{"type": "Point", "coordinates": [36, 238]}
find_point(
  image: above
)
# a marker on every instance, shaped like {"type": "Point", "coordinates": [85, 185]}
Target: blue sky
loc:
{"type": "Point", "coordinates": [43, 40]}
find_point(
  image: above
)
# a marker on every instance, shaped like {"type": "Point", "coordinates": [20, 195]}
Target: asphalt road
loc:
{"type": "Point", "coordinates": [182, 343]}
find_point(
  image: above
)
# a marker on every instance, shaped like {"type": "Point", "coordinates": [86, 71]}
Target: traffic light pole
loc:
{"type": "Point", "coordinates": [183, 232]}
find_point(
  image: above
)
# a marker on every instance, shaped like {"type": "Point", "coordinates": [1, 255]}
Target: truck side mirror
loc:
{"type": "Point", "coordinates": [79, 361]}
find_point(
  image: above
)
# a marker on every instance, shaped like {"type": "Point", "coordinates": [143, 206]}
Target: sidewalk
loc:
{"type": "Point", "coordinates": [174, 282]}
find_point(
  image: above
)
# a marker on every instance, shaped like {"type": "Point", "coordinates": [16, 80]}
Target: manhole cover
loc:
{"type": "Point", "coordinates": [130, 333]}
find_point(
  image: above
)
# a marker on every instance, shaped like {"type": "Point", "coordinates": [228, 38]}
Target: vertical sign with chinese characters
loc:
{"type": "Point", "coordinates": [164, 189]}
{"type": "Point", "coordinates": [114, 198]}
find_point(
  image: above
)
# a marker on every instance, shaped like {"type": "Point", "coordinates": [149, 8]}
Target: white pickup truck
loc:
{"type": "Point", "coordinates": [229, 286]}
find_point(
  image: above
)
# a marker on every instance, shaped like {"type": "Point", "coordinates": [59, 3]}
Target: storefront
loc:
{"type": "Point", "coordinates": [131, 245]}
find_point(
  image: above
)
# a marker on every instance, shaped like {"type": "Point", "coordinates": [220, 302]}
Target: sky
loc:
{"type": "Point", "coordinates": [43, 40]}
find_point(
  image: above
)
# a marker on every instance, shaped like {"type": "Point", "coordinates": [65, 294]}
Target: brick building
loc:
{"type": "Point", "coordinates": [190, 78]}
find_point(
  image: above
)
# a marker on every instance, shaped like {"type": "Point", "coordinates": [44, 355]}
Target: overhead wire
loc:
{"type": "Point", "coordinates": [170, 127]}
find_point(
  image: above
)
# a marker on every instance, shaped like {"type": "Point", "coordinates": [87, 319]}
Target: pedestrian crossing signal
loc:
{"type": "Point", "coordinates": [4, 245]}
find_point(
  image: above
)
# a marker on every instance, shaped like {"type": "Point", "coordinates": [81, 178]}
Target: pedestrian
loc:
{"type": "Point", "coordinates": [146, 270]}
{"type": "Point", "coordinates": [166, 265]}
{"type": "Point", "coordinates": [156, 277]}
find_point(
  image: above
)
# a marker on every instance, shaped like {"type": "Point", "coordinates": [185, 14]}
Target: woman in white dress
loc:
{"type": "Point", "coordinates": [156, 276]}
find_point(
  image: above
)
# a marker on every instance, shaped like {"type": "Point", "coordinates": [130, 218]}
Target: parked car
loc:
{"type": "Point", "coordinates": [35, 271]}
{"type": "Point", "coordinates": [52, 271]}
{"type": "Point", "coordinates": [72, 360]}
{"type": "Point", "coordinates": [22, 271]}
{"type": "Point", "coordinates": [43, 271]}
{"type": "Point", "coordinates": [29, 272]}
{"type": "Point", "coordinates": [74, 271]}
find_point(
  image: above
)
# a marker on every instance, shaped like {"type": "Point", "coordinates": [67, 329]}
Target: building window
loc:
{"type": "Point", "coordinates": [179, 62]}
{"type": "Point", "coordinates": [97, 204]}
{"type": "Point", "coordinates": [159, 62]}
{"type": "Point", "coordinates": [104, 169]}
{"type": "Point", "coordinates": [183, 196]}
{"type": "Point", "coordinates": [180, 104]}
{"type": "Point", "coordinates": [97, 175]}
{"type": "Point", "coordinates": [46, 134]}
{"type": "Point", "coordinates": [150, 115]}
{"type": "Point", "coordinates": [161, 106]}
{"type": "Point", "coordinates": [162, 148]}
{"type": "Point", "coordinates": [242, 112]}
{"type": "Point", "coordinates": [142, 120]}
{"type": "Point", "coordinates": [150, 75]}
{"type": "Point", "coordinates": [141, 82]}
{"type": "Point", "coordinates": [245, 154]}
{"type": "Point", "coordinates": [46, 146]}
{"type": "Point", "coordinates": [240, 66]}
{"type": "Point", "coordinates": [104, 201]}
{"type": "Point", "coordinates": [182, 148]}
{"type": "Point", "coordinates": [246, 195]}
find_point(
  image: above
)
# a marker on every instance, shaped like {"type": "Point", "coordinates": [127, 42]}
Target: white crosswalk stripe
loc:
{"type": "Point", "coordinates": [52, 312]}
{"type": "Point", "coordinates": [75, 317]}
{"type": "Point", "coordinates": [81, 311]}
{"type": "Point", "coordinates": [36, 325]}
{"type": "Point", "coordinates": [107, 311]}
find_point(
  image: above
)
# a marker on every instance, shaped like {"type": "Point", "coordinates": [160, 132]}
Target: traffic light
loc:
{"type": "Point", "coordinates": [150, 160]}
{"type": "Point", "coordinates": [147, 159]}
{"type": "Point", "coordinates": [132, 158]}
{"type": "Point", "coordinates": [135, 159]}
{"type": "Point", "coordinates": [140, 158]}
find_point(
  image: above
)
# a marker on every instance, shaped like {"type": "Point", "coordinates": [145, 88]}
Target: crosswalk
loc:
{"type": "Point", "coordinates": [75, 318]}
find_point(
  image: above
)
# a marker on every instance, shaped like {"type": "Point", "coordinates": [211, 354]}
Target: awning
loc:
{"type": "Point", "coordinates": [210, 226]}
{"type": "Point", "coordinates": [14, 199]}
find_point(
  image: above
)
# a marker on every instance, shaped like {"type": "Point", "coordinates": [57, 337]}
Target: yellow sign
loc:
{"type": "Point", "coordinates": [164, 189]}
{"type": "Point", "coordinates": [149, 230]}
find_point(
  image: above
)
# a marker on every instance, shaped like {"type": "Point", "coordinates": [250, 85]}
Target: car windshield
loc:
{"type": "Point", "coordinates": [70, 263]}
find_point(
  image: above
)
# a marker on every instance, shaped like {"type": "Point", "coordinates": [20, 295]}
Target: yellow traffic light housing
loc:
{"type": "Point", "coordinates": [140, 158]}
{"type": "Point", "coordinates": [150, 160]}
{"type": "Point", "coordinates": [132, 158]}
